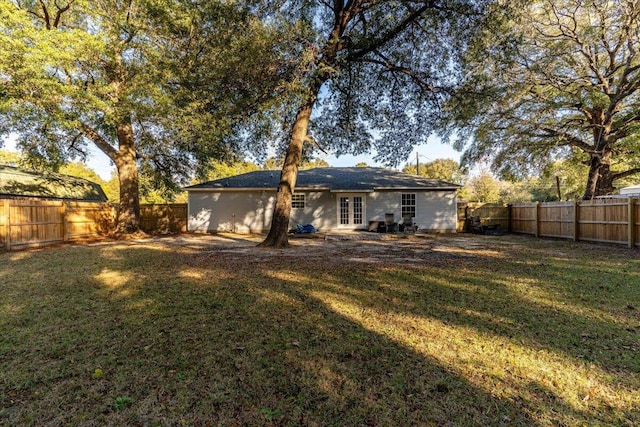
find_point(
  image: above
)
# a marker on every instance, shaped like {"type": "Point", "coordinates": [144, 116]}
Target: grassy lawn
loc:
{"type": "Point", "coordinates": [436, 331]}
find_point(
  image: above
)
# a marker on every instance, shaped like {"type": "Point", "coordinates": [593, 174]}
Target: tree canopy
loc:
{"type": "Point", "coordinates": [444, 169]}
{"type": "Point", "coordinates": [10, 158]}
{"type": "Point", "coordinates": [158, 86]}
{"type": "Point", "coordinates": [549, 80]}
{"type": "Point", "coordinates": [374, 78]}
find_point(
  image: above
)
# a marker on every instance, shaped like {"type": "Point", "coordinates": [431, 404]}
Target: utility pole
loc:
{"type": "Point", "coordinates": [417, 164]}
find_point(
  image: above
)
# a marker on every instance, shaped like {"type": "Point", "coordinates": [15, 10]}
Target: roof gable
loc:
{"type": "Point", "coordinates": [26, 183]}
{"type": "Point", "coordinates": [332, 179]}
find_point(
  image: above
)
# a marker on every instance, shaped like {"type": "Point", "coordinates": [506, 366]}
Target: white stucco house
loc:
{"type": "Point", "coordinates": [331, 199]}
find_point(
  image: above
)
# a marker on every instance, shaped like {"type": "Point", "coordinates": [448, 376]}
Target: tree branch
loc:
{"type": "Point", "coordinates": [622, 131]}
{"type": "Point", "coordinates": [571, 139]}
{"type": "Point", "coordinates": [46, 17]}
{"type": "Point", "coordinates": [316, 143]}
{"type": "Point", "coordinates": [626, 173]}
{"type": "Point", "coordinates": [60, 11]}
{"type": "Point", "coordinates": [389, 66]}
{"type": "Point", "coordinates": [100, 142]}
{"type": "Point", "coordinates": [375, 44]}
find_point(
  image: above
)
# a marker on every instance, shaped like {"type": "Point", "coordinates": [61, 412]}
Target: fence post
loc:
{"type": "Point", "coordinates": [537, 218]}
{"type": "Point", "coordinates": [465, 224]}
{"type": "Point", "coordinates": [632, 222]}
{"type": "Point", "coordinates": [63, 218]}
{"type": "Point", "coordinates": [7, 224]}
{"type": "Point", "coordinates": [509, 207]}
{"type": "Point", "coordinates": [576, 221]}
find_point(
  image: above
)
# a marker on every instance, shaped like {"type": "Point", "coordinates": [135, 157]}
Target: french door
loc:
{"type": "Point", "coordinates": [351, 210]}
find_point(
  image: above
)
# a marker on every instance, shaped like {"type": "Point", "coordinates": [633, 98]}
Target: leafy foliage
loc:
{"type": "Point", "coordinates": [156, 85]}
{"type": "Point", "coordinates": [444, 169]}
{"type": "Point", "coordinates": [392, 72]}
{"type": "Point", "coordinates": [375, 75]}
{"type": "Point", "coordinates": [550, 80]}
{"type": "Point", "coordinates": [10, 158]}
{"type": "Point", "coordinates": [482, 188]}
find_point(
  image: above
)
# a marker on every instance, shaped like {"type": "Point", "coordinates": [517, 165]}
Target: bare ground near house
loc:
{"type": "Point", "coordinates": [338, 247]}
{"type": "Point", "coordinates": [440, 330]}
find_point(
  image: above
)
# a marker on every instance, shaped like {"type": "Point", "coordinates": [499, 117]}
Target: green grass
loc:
{"type": "Point", "coordinates": [439, 331]}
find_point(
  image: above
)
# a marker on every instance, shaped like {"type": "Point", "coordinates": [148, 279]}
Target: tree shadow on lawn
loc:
{"type": "Point", "coordinates": [560, 320]}
{"type": "Point", "coordinates": [568, 344]}
{"type": "Point", "coordinates": [198, 339]}
{"type": "Point", "coordinates": [131, 339]}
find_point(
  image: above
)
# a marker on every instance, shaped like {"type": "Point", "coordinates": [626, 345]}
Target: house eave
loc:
{"type": "Point", "coordinates": [229, 189]}
{"type": "Point", "coordinates": [251, 189]}
{"type": "Point", "coordinates": [338, 190]}
{"type": "Point", "coordinates": [416, 188]}
{"type": "Point", "coordinates": [369, 190]}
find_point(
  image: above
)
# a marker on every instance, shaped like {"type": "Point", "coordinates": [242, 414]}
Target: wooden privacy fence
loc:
{"type": "Point", "coordinates": [31, 222]}
{"type": "Point", "coordinates": [489, 213]}
{"type": "Point", "coordinates": [615, 220]}
{"type": "Point", "coordinates": [28, 222]}
{"type": "Point", "coordinates": [164, 218]}
{"type": "Point", "coordinates": [611, 220]}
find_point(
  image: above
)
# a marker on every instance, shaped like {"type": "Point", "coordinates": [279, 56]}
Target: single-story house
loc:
{"type": "Point", "coordinates": [330, 199]}
{"type": "Point", "coordinates": [16, 182]}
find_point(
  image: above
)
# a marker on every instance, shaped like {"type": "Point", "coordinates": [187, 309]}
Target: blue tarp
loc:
{"type": "Point", "coordinates": [305, 228]}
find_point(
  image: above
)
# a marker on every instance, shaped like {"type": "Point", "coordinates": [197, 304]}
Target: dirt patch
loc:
{"type": "Point", "coordinates": [385, 249]}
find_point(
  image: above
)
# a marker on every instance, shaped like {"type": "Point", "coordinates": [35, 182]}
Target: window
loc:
{"type": "Point", "coordinates": [297, 201]}
{"type": "Point", "coordinates": [408, 205]}
{"type": "Point", "coordinates": [344, 210]}
{"type": "Point", "coordinates": [357, 210]}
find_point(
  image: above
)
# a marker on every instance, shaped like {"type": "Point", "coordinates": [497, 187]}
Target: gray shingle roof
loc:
{"type": "Point", "coordinates": [27, 183]}
{"type": "Point", "coordinates": [333, 179]}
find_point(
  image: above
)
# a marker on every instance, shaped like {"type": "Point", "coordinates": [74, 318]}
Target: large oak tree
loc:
{"type": "Point", "coordinates": [375, 74]}
{"type": "Point", "coordinates": [552, 80]}
{"type": "Point", "coordinates": [156, 85]}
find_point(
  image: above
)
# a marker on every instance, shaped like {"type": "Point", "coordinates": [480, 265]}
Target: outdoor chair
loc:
{"type": "Point", "coordinates": [409, 226]}
{"type": "Point", "coordinates": [389, 221]}
{"type": "Point", "coordinates": [475, 225]}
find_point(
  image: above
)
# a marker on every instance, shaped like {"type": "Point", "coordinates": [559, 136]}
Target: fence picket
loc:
{"type": "Point", "coordinates": [602, 220]}
{"type": "Point", "coordinates": [31, 222]}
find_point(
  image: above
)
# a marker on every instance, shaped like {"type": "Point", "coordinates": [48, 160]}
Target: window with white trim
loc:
{"type": "Point", "coordinates": [297, 201]}
{"type": "Point", "coordinates": [409, 204]}
{"type": "Point", "coordinates": [357, 210]}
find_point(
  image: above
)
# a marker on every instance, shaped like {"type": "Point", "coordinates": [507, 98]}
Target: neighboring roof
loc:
{"type": "Point", "coordinates": [28, 183]}
{"type": "Point", "coordinates": [333, 179]}
{"type": "Point", "coordinates": [634, 189]}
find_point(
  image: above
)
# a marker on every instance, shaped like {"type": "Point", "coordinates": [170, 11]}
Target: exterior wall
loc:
{"type": "Point", "coordinates": [320, 210]}
{"type": "Point", "coordinates": [251, 211]}
{"type": "Point", "coordinates": [240, 212]}
{"type": "Point", "coordinates": [435, 210]}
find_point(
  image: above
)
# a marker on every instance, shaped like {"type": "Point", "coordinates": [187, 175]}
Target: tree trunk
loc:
{"type": "Point", "coordinates": [128, 220]}
{"type": "Point", "coordinates": [324, 62]}
{"type": "Point", "coordinates": [605, 183]}
{"type": "Point", "coordinates": [278, 236]}
{"type": "Point", "coordinates": [600, 178]}
{"type": "Point", "coordinates": [592, 178]}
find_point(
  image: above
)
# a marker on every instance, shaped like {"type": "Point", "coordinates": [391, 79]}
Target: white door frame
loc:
{"type": "Point", "coordinates": [350, 211]}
